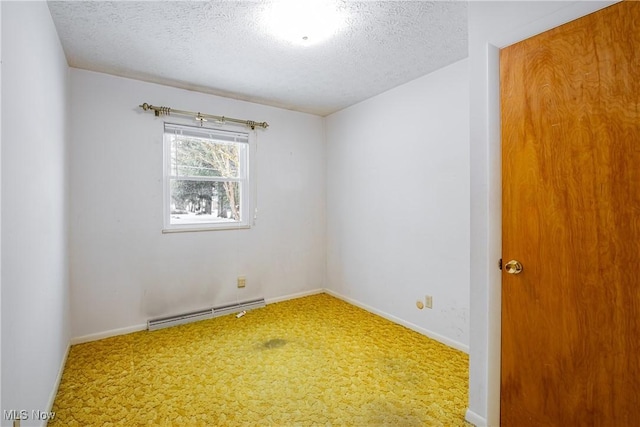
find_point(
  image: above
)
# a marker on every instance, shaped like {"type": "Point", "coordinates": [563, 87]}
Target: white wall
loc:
{"type": "Point", "coordinates": [398, 203]}
{"type": "Point", "coordinates": [0, 205]}
{"type": "Point", "coordinates": [35, 320]}
{"type": "Point", "coordinates": [493, 25]}
{"type": "Point", "coordinates": [124, 270]}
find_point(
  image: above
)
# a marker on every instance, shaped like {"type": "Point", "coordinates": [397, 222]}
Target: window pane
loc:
{"type": "Point", "coordinates": [192, 156]}
{"type": "Point", "coordinates": [194, 202]}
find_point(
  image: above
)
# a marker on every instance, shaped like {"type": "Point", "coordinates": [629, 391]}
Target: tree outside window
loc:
{"type": "Point", "coordinates": [207, 177]}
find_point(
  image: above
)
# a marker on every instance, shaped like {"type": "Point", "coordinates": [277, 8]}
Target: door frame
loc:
{"type": "Point", "coordinates": [486, 207]}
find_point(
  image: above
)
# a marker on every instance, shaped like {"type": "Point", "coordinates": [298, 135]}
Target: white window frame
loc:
{"type": "Point", "coordinates": [246, 179]}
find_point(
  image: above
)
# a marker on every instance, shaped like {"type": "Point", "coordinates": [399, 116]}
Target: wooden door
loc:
{"type": "Point", "coordinates": [571, 215]}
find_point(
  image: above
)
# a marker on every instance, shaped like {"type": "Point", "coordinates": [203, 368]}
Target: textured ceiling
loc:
{"type": "Point", "coordinates": [221, 47]}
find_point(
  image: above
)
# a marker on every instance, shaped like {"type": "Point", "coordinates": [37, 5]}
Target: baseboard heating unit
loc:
{"type": "Point", "coordinates": [180, 319]}
{"type": "Point", "coordinates": [194, 316]}
{"type": "Point", "coordinates": [236, 307]}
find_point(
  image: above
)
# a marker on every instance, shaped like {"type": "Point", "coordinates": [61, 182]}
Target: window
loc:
{"type": "Point", "coordinates": [206, 178]}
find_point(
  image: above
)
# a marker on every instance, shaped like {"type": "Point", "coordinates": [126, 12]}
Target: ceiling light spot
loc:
{"type": "Point", "coordinates": [303, 21]}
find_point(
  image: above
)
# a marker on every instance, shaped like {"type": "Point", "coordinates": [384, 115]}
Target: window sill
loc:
{"type": "Point", "coordinates": [189, 229]}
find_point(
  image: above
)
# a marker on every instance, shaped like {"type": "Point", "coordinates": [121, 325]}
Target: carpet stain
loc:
{"type": "Point", "coordinates": [335, 365]}
{"type": "Point", "coordinates": [274, 343]}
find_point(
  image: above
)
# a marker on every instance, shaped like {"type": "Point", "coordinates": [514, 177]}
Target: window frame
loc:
{"type": "Point", "coordinates": [247, 184]}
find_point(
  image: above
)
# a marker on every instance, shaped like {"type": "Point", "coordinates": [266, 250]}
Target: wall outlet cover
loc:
{"type": "Point", "coordinates": [428, 301]}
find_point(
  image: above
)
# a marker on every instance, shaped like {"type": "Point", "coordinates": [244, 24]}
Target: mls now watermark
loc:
{"type": "Point", "coordinates": [23, 415]}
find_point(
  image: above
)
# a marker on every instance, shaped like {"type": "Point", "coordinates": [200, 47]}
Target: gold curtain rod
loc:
{"type": "Point", "coordinates": [166, 111]}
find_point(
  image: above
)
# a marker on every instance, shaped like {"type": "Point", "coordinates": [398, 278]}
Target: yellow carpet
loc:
{"type": "Point", "coordinates": [310, 361]}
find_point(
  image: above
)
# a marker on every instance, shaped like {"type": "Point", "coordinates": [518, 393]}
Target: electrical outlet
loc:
{"type": "Point", "coordinates": [242, 281]}
{"type": "Point", "coordinates": [428, 301]}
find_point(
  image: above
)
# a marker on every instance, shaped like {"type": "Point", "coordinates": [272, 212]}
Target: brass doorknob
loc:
{"type": "Point", "coordinates": [513, 267]}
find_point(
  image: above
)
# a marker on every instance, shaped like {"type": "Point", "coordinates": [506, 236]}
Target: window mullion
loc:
{"type": "Point", "coordinates": [204, 178]}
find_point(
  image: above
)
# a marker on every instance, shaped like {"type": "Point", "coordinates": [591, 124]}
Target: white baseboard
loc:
{"type": "Point", "coordinates": [294, 296]}
{"type": "Point", "coordinates": [56, 385]}
{"type": "Point", "coordinates": [108, 334]}
{"type": "Point", "coordinates": [143, 327]}
{"type": "Point", "coordinates": [444, 340]}
{"type": "Point", "coordinates": [441, 338]}
{"type": "Point", "coordinates": [475, 419]}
